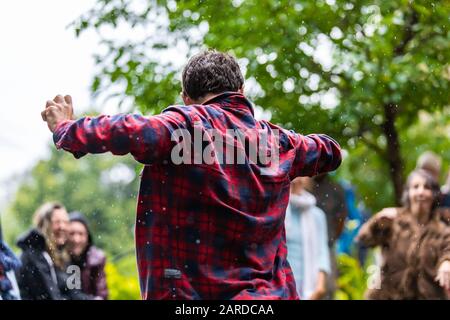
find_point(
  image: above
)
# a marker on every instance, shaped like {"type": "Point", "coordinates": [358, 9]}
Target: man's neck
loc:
{"type": "Point", "coordinates": [208, 97]}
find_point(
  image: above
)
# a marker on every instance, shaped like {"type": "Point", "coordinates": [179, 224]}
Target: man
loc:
{"type": "Point", "coordinates": [205, 229]}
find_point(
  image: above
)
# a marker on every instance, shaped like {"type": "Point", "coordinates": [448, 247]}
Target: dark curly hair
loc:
{"type": "Point", "coordinates": [211, 71]}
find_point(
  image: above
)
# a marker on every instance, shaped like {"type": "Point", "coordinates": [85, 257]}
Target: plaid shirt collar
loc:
{"type": "Point", "coordinates": [231, 99]}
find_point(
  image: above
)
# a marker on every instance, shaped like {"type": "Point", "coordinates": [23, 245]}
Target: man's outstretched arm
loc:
{"type": "Point", "coordinates": [148, 139]}
{"type": "Point", "coordinates": [315, 154]}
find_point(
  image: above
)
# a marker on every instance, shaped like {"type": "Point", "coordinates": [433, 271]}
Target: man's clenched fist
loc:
{"type": "Point", "coordinates": [57, 110]}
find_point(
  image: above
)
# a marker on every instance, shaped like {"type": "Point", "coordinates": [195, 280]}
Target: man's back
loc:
{"type": "Point", "coordinates": [216, 231]}
{"type": "Point", "coordinates": [210, 216]}
{"type": "Point", "coordinates": [208, 230]}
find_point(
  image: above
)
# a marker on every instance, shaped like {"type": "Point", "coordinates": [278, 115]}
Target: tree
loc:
{"type": "Point", "coordinates": [390, 61]}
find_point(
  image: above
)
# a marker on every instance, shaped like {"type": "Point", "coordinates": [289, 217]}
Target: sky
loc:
{"type": "Point", "coordinates": [39, 58]}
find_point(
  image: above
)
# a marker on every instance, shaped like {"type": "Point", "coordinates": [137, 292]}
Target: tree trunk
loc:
{"type": "Point", "coordinates": [390, 113]}
{"type": "Point", "coordinates": [394, 158]}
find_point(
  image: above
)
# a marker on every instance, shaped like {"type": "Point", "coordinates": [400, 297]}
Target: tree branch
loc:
{"type": "Point", "coordinates": [408, 35]}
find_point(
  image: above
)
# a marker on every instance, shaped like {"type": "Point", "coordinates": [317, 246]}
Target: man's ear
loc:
{"type": "Point", "coordinates": [241, 90]}
{"type": "Point", "coordinates": [186, 99]}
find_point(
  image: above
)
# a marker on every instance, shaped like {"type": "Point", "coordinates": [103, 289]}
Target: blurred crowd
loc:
{"type": "Point", "coordinates": [59, 260]}
{"type": "Point", "coordinates": [324, 218]}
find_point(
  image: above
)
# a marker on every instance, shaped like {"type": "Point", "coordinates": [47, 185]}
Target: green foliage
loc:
{"type": "Point", "coordinates": [390, 61]}
{"type": "Point", "coordinates": [102, 187]}
{"type": "Point", "coordinates": [122, 279]}
{"type": "Point", "coordinates": [352, 281]}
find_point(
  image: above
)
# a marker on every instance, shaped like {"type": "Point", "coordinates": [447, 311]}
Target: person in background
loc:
{"type": "Point", "coordinates": [331, 199]}
{"type": "Point", "coordinates": [8, 265]}
{"type": "Point", "coordinates": [432, 163]}
{"type": "Point", "coordinates": [445, 206]}
{"type": "Point", "coordinates": [357, 216]}
{"type": "Point", "coordinates": [307, 241]}
{"type": "Point", "coordinates": [87, 257]}
{"type": "Point", "coordinates": [415, 244]}
{"type": "Point", "coordinates": [445, 200]}
{"type": "Point", "coordinates": [43, 275]}
{"type": "Point", "coordinates": [445, 190]}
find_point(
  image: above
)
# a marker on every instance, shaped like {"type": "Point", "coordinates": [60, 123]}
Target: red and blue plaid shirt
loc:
{"type": "Point", "coordinates": [206, 231]}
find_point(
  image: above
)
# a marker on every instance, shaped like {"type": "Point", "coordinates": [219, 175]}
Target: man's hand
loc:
{"type": "Point", "coordinates": [57, 110]}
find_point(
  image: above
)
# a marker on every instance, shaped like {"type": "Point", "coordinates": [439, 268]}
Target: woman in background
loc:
{"type": "Point", "coordinates": [87, 257]}
{"type": "Point", "coordinates": [43, 275]}
{"type": "Point", "coordinates": [415, 244]}
{"type": "Point", "coordinates": [307, 241]}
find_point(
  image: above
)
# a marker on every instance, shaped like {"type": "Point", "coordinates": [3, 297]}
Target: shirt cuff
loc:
{"type": "Point", "coordinates": [59, 132]}
{"type": "Point", "coordinates": [58, 138]}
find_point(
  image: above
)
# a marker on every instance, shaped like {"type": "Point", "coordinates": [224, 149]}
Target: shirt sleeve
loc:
{"type": "Point", "coordinates": [148, 139]}
{"type": "Point", "coordinates": [314, 154]}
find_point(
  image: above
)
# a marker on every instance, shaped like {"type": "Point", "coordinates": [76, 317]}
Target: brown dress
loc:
{"type": "Point", "coordinates": [411, 254]}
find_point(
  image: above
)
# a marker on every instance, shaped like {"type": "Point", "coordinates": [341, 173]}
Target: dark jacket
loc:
{"type": "Point", "coordinates": [35, 278]}
{"type": "Point", "coordinates": [411, 253]}
{"type": "Point", "coordinates": [93, 277]}
{"type": "Point", "coordinates": [92, 264]}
